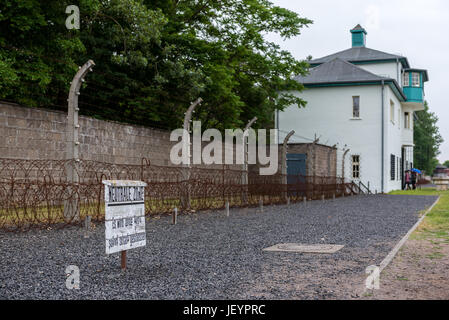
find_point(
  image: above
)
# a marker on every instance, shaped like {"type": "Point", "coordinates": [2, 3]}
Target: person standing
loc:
{"type": "Point", "coordinates": [408, 180]}
{"type": "Point", "coordinates": [414, 180]}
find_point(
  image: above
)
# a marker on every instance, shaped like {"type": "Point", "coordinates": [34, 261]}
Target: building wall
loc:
{"type": "Point", "coordinates": [394, 138]}
{"type": "Point", "coordinates": [328, 115]}
{"type": "Point", "coordinates": [387, 69]}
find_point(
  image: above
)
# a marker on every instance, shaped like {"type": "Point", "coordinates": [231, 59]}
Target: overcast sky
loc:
{"type": "Point", "coordinates": [417, 29]}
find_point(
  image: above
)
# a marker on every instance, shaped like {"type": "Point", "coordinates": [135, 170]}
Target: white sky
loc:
{"type": "Point", "coordinates": [417, 29]}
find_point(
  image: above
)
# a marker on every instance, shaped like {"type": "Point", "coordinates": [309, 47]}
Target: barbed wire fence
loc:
{"type": "Point", "coordinates": [34, 193]}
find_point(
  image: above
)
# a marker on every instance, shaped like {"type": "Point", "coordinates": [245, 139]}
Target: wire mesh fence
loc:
{"type": "Point", "coordinates": [39, 193]}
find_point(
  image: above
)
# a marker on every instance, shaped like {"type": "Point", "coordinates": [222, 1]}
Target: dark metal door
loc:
{"type": "Point", "coordinates": [296, 171]}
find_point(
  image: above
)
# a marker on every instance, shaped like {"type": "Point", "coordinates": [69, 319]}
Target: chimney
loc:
{"type": "Point", "coordinates": [358, 36]}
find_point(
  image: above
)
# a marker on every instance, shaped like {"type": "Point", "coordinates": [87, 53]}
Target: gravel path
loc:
{"type": "Point", "coordinates": [210, 256]}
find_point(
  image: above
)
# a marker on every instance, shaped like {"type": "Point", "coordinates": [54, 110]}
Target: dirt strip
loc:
{"type": "Point", "coordinates": [419, 271]}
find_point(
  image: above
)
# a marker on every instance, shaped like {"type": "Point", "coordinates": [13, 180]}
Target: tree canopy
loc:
{"type": "Point", "coordinates": [427, 140]}
{"type": "Point", "coordinates": [153, 57]}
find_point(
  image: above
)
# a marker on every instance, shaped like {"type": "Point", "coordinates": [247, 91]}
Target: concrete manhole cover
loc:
{"type": "Point", "coordinates": [305, 248]}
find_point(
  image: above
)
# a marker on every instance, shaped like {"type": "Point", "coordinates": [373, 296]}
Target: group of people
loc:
{"type": "Point", "coordinates": [410, 180]}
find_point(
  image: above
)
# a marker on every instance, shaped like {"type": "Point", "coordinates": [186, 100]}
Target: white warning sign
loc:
{"type": "Point", "coordinates": [125, 215]}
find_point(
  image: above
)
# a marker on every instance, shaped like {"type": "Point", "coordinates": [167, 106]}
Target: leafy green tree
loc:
{"type": "Point", "coordinates": [446, 164]}
{"type": "Point", "coordinates": [33, 33]}
{"type": "Point", "coordinates": [153, 57]}
{"type": "Point", "coordinates": [427, 140]}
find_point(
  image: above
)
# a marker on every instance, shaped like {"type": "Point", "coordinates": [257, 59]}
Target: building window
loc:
{"type": "Point", "coordinates": [406, 79]}
{"type": "Point", "coordinates": [392, 111]}
{"type": "Point", "coordinates": [416, 79]}
{"type": "Point", "coordinates": [398, 169]}
{"type": "Point", "coordinates": [393, 167]}
{"type": "Point", "coordinates": [407, 120]}
{"type": "Point", "coordinates": [355, 167]}
{"type": "Point", "coordinates": [356, 107]}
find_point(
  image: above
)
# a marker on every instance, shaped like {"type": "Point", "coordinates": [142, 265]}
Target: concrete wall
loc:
{"type": "Point", "coordinates": [321, 160]}
{"type": "Point", "coordinates": [30, 133]}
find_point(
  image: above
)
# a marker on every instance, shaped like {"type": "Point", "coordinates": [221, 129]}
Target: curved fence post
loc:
{"type": "Point", "coordinates": [71, 206]}
{"type": "Point", "coordinates": [343, 170]}
{"type": "Point", "coordinates": [185, 196]}
{"type": "Point", "coordinates": [245, 161]}
{"type": "Point", "coordinates": [284, 163]}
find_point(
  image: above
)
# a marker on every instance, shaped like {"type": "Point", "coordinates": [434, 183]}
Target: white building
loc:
{"type": "Point", "coordinates": [364, 99]}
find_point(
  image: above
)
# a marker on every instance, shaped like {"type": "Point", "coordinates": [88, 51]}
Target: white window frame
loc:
{"type": "Point", "coordinates": [406, 79]}
{"type": "Point", "coordinates": [416, 79]}
{"type": "Point", "coordinates": [407, 117]}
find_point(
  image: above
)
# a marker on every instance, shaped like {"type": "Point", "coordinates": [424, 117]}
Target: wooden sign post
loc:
{"type": "Point", "coordinates": [124, 216]}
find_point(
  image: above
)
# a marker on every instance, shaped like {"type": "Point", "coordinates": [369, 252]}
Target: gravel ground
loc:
{"type": "Point", "coordinates": [210, 256]}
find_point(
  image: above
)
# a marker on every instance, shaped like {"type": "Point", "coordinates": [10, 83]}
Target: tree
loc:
{"type": "Point", "coordinates": [427, 140]}
{"type": "Point", "coordinates": [153, 57]}
{"type": "Point", "coordinates": [446, 164]}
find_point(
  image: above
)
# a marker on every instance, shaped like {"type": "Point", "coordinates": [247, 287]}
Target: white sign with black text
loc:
{"type": "Point", "coordinates": [124, 215]}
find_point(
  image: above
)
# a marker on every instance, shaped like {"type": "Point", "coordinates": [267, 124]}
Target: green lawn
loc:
{"type": "Point", "coordinates": [436, 223]}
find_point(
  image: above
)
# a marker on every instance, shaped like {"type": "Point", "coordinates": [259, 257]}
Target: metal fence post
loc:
{"type": "Point", "coordinates": [71, 206]}
{"type": "Point", "coordinates": [245, 161]}
{"type": "Point", "coordinates": [175, 216]}
{"type": "Point", "coordinates": [185, 195]}
{"type": "Point", "coordinates": [284, 162]}
{"type": "Point", "coordinates": [343, 164]}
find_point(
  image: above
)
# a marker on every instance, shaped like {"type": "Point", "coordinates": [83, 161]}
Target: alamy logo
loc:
{"type": "Point", "coordinates": [373, 280]}
{"type": "Point", "coordinates": [73, 277]}
{"type": "Point", "coordinates": [73, 20]}
{"type": "Point", "coordinates": [240, 147]}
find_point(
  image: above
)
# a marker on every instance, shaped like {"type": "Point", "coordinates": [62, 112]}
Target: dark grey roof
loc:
{"type": "Point", "coordinates": [336, 71]}
{"type": "Point", "coordinates": [340, 72]}
{"type": "Point", "coordinates": [358, 27]}
{"type": "Point", "coordinates": [360, 54]}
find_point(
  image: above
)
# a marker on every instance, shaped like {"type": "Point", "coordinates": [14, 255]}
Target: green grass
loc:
{"type": "Point", "coordinates": [435, 255]}
{"type": "Point", "coordinates": [436, 223]}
